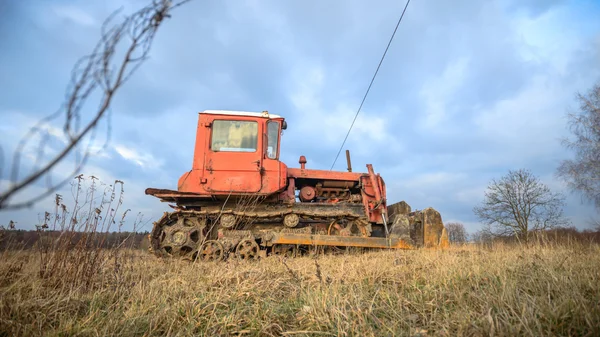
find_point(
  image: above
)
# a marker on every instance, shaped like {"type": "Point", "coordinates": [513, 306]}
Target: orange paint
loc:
{"type": "Point", "coordinates": [232, 156]}
{"type": "Point", "coordinates": [238, 154]}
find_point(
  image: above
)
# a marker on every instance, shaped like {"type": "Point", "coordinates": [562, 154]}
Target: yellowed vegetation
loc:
{"type": "Point", "coordinates": [503, 291]}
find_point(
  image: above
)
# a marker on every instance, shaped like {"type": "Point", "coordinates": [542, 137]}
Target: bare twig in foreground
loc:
{"type": "Point", "coordinates": [100, 74]}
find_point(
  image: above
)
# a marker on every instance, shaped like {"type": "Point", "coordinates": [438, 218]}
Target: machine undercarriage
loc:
{"type": "Point", "coordinates": [249, 229]}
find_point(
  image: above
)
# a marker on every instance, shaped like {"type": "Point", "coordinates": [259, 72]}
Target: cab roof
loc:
{"type": "Point", "coordinates": [264, 114]}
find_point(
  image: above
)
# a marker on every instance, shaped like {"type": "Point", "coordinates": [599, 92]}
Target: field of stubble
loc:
{"type": "Point", "coordinates": [504, 291]}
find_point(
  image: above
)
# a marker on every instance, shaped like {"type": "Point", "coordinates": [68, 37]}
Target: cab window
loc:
{"type": "Point", "coordinates": [272, 139]}
{"type": "Point", "coordinates": [234, 136]}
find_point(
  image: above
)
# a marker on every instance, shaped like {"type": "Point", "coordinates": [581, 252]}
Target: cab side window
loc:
{"type": "Point", "coordinates": [272, 139]}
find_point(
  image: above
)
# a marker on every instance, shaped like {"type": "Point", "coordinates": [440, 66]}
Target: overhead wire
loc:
{"type": "Point", "coordinates": [370, 84]}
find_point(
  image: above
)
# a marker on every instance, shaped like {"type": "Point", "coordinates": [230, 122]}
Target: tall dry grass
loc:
{"type": "Point", "coordinates": [505, 290]}
{"type": "Point", "coordinates": [74, 283]}
{"type": "Point", "coordinates": [70, 244]}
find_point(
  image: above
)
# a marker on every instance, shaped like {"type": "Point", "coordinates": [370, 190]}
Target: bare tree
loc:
{"type": "Point", "coordinates": [456, 232]}
{"type": "Point", "coordinates": [482, 236]}
{"type": "Point", "coordinates": [121, 50]}
{"type": "Point", "coordinates": [582, 173]}
{"type": "Point", "coordinates": [596, 225]}
{"type": "Point", "coordinates": [519, 203]}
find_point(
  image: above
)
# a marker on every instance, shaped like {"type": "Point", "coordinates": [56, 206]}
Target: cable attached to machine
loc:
{"type": "Point", "coordinates": [370, 84]}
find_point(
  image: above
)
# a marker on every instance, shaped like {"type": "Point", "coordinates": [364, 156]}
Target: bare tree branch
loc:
{"type": "Point", "coordinates": [101, 72]}
{"type": "Point", "coordinates": [582, 173]}
{"type": "Point", "coordinates": [1, 162]}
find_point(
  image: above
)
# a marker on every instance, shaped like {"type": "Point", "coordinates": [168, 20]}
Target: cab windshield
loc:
{"type": "Point", "coordinates": [234, 136]}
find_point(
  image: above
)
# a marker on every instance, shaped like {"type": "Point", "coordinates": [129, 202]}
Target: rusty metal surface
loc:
{"type": "Point", "coordinates": [302, 162]}
{"type": "Point", "coordinates": [348, 161]}
{"type": "Point", "coordinates": [302, 209]}
{"type": "Point", "coordinates": [335, 240]}
{"type": "Point", "coordinates": [157, 192]}
{"type": "Point", "coordinates": [307, 193]}
{"type": "Point", "coordinates": [232, 169]}
{"type": "Point", "coordinates": [179, 236]}
{"type": "Point", "coordinates": [335, 208]}
{"type": "Point", "coordinates": [216, 174]}
{"type": "Point", "coordinates": [323, 174]}
{"type": "Point", "coordinates": [291, 220]}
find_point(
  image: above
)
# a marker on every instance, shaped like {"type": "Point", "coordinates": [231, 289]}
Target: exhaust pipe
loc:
{"type": "Point", "coordinates": [348, 160]}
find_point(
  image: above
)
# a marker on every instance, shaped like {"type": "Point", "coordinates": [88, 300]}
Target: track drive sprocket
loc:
{"type": "Point", "coordinates": [178, 235]}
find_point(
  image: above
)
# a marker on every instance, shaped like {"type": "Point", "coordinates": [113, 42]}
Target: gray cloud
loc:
{"type": "Point", "coordinates": [534, 8]}
{"type": "Point", "coordinates": [468, 90]}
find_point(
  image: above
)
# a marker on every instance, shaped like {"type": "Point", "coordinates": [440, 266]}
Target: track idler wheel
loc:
{"type": "Point", "coordinates": [211, 250]}
{"type": "Point", "coordinates": [247, 249]}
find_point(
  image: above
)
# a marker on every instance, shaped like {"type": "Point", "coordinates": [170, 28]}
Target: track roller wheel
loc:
{"type": "Point", "coordinates": [227, 221]}
{"type": "Point", "coordinates": [291, 220]}
{"type": "Point", "coordinates": [247, 249]}
{"type": "Point", "coordinates": [210, 250]}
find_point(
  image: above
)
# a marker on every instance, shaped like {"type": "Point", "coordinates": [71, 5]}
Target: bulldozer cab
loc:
{"type": "Point", "coordinates": [238, 152]}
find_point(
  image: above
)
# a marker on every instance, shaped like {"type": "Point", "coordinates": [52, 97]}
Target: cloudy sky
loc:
{"type": "Point", "coordinates": [468, 90]}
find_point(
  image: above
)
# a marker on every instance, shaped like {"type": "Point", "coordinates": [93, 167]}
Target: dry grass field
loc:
{"type": "Point", "coordinates": [500, 291]}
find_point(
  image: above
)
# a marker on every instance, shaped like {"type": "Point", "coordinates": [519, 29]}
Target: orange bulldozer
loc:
{"type": "Point", "coordinates": [240, 199]}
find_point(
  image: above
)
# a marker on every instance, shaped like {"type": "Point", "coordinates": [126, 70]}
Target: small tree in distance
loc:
{"type": "Point", "coordinates": [456, 232]}
{"type": "Point", "coordinates": [481, 237]}
{"type": "Point", "coordinates": [519, 203]}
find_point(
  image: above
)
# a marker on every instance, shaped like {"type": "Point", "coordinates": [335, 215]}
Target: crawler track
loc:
{"type": "Point", "coordinates": [215, 233]}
